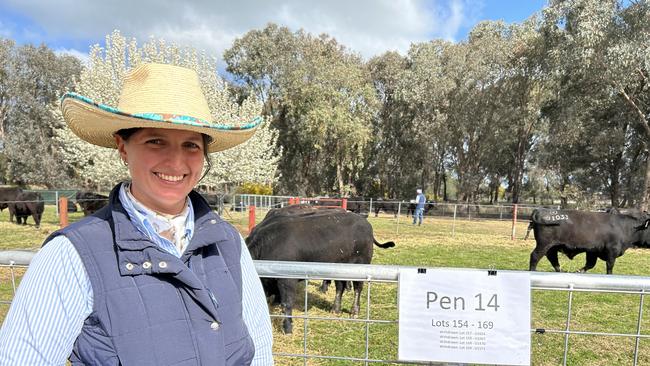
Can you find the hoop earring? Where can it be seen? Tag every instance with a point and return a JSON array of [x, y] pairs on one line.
[[125, 163]]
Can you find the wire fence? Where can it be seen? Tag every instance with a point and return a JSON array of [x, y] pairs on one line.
[[382, 207], [374, 349], [236, 208]]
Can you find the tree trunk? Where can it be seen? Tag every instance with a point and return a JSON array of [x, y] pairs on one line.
[[646, 186], [564, 199], [645, 125], [445, 198], [339, 180], [615, 191]]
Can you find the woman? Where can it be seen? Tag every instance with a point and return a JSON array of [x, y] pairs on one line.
[[155, 277]]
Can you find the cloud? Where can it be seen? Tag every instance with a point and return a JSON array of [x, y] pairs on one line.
[[369, 27], [82, 56]]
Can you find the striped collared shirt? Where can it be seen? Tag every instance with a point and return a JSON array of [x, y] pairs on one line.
[[55, 297]]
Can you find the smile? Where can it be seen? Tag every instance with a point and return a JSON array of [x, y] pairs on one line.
[[170, 178]]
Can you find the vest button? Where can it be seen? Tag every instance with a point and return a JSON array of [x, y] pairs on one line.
[[162, 264], [146, 265], [129, 266], [213, 221], [214, 325]]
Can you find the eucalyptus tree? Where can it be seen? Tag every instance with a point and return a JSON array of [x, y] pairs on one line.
[[392, 147], [424, 89], [6, 49], [33, 78], [319, 98], [518, 94], [6, 57], [260, 60], [254, 161], [475, 69], [600, 52]]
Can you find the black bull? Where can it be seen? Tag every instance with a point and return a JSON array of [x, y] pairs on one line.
[[307, 234], [28, 204], [8, 198], [598, 234], [90, 202]]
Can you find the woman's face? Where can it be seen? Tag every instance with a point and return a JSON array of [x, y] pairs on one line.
[[164, 165]]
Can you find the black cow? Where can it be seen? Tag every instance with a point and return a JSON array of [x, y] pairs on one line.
[[357, 205], [28, 203], [213, 199], [611, 210], [9, 195], [428, 206], [598, 234], [386, 206], [72, 207], [305, 233], [90, 201]]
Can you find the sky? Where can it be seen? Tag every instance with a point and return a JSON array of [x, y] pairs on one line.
[[368, 27]]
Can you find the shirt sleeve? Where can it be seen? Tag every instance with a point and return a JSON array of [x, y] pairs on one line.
[[255, 310], [49, 308]]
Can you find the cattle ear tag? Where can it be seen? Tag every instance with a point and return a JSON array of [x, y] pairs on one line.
[[492, 271]]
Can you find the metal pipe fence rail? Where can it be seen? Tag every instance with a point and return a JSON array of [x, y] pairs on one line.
[[16, 261], [242, 201]]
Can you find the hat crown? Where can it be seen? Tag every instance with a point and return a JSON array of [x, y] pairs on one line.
[[164, 89]]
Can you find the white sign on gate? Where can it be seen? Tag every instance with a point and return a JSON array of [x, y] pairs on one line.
[[464, 316]]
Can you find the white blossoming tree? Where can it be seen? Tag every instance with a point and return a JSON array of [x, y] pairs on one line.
[[254, 161]]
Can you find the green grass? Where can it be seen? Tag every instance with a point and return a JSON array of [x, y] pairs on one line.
[[474, 244]]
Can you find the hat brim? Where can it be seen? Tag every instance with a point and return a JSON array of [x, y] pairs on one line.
[[97, 123]]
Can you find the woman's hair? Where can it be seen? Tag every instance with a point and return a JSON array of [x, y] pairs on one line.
[[126, 133]]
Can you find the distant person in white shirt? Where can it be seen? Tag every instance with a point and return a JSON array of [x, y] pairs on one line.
[[419, 201], [155, 277]]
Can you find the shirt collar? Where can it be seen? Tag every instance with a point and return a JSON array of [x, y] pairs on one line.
[[147, 220]]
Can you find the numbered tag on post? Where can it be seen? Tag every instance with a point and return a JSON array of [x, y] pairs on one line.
[[464, 316]]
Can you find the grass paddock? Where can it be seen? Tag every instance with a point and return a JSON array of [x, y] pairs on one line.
[[439, 242]]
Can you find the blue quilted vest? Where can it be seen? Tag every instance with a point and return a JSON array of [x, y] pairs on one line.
[[152, 308]]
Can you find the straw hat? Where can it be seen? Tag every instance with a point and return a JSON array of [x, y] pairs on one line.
[[153, 96]]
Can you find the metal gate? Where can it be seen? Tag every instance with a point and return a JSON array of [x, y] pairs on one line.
[[13, 262]]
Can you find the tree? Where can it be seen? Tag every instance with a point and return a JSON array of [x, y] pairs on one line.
[[253, 161], [6, 87], [600, 52], [389, 150], [421, 133], [319, 98], [33, 79]]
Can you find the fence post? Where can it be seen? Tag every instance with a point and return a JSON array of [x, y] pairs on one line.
[[453, 223], [514, 221], [344, 203], [370, 209], [399, 209], [63, 211], [251, 218]]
